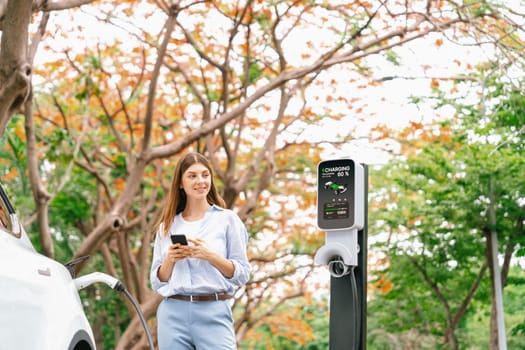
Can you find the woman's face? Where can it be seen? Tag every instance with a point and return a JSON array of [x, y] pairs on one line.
[[196, 181]]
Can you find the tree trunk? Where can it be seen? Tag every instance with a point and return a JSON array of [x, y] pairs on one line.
[[135, 331], [15, 70], [493, 340], [451, 338]]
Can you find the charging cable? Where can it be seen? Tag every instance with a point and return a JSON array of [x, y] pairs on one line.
[[338, 269], [357, 309], [86, 280]]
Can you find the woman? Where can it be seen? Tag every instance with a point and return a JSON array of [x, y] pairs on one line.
[[197, 279]]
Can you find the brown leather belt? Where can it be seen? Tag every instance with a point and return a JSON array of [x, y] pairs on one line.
[[201, 297]]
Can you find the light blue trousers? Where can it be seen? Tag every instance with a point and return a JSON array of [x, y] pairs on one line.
[[202, 325]]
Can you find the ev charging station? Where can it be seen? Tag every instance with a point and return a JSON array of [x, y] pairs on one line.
[[342, 191]]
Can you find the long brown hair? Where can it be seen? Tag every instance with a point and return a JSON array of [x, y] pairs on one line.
[[176, 201]]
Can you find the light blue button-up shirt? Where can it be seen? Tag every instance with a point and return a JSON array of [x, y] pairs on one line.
[[223, 232]]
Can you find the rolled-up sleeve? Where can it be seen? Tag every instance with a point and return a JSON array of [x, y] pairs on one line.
[[158, 258], [237, 242]]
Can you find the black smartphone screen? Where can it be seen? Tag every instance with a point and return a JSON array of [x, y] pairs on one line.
[[179, 239]]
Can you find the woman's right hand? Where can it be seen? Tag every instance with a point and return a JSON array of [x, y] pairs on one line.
[[177, 252]]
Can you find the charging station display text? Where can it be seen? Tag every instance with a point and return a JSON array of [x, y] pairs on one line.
[[335, 194]]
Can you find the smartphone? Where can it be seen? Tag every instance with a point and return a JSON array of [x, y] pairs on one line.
[[179, 239]]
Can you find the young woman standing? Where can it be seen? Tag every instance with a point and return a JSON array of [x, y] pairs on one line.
[[197, 279]]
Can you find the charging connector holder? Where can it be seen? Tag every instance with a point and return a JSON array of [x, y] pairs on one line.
[[339, 252], [338, 268]]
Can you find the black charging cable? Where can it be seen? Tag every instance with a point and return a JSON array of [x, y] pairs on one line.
[[86, 280], [357, 309], [120, 288], [339, 269]]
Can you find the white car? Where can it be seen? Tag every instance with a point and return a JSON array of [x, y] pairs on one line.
[[39, 303]]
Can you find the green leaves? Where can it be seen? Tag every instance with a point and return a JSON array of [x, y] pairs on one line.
[[511, 112], [434, 206], [71, 207]]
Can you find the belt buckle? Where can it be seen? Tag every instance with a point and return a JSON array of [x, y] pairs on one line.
[[216, 297], [191, 298]]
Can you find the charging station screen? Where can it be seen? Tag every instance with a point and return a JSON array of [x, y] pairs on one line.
[[335, 211], [335, 193]]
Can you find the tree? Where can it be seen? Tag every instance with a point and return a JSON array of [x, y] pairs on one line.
[[438, 209], [238, 81], [435, 249]]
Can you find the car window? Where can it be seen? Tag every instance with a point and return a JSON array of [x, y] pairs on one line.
[[8, 219], [5, 219]]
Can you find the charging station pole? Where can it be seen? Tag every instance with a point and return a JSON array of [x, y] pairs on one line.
[[344, 308], [342, 211]]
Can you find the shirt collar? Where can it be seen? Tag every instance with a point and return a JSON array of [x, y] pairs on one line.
[[215, 207]]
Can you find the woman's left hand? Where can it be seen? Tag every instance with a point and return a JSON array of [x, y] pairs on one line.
[[199, 249]]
